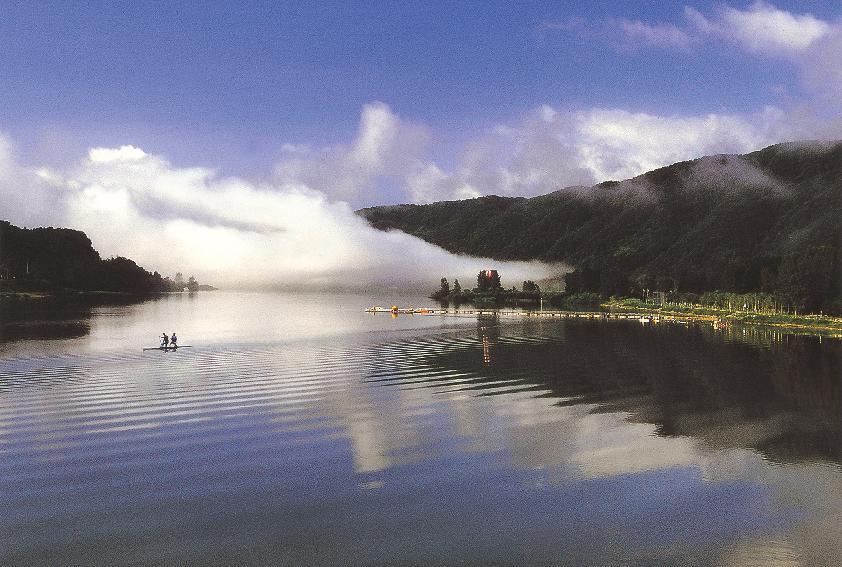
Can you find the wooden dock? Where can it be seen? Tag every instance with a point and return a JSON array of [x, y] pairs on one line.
[[543, 314]]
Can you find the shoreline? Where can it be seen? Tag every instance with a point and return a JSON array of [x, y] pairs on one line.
[[42, 295], [818, 324], [809, 323]]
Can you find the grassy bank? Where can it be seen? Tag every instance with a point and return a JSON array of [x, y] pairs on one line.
[[24, 294], [818, 323]]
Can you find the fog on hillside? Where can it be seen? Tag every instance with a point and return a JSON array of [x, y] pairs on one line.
[[232, 233]]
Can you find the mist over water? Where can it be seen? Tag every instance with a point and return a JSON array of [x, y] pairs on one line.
[[299, 429], [230, 232]]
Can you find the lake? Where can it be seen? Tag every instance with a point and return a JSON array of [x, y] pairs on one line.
[[300, 430]]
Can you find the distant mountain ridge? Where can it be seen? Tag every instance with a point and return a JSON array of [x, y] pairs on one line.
[[765, 221]]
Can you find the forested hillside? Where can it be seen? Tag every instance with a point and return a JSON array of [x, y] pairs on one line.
[[765, 221], [56, 259]]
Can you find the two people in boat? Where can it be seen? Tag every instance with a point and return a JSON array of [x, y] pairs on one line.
[[169, 342]]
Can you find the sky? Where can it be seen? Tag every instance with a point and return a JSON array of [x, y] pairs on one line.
[[356, 104]]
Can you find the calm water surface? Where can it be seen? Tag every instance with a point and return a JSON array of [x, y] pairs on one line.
[[300, 430]]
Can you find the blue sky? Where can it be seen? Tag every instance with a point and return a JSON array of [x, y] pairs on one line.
[[241, 133], [225, 85]]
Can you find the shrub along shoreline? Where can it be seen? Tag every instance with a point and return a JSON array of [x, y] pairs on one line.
[[813, 322], [747, 309]]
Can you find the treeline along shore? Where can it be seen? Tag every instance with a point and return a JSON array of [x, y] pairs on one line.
[[720, 308], [43, 261], [765, 224], [738, 311]]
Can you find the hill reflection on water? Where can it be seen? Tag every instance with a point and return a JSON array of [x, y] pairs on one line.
[[420, 440], [57, 317], [739, 387]]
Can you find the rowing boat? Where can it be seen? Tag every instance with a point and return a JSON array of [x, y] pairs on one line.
[[167, 348]]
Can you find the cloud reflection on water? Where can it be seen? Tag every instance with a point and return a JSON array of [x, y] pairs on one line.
[[587, 440], [544, 430]]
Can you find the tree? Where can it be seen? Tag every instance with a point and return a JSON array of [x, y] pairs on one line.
[[192, 284], [482, 283], [179, 281], [530, 286], [488, 280], [495, 280], [445, 287], [582, 280], [457, 287]]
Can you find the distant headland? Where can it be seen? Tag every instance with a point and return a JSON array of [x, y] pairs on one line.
[[47, 261]]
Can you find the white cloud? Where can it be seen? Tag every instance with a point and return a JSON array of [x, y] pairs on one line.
[[547, 112], [385, 147], [623, 33], [616, 144], [298, 231], [810, 46], [822, 69], [422, 185], [666, 35], [228, 231], [698, 22], [26, 199], [766, 29], [762, 29], [813, 45], [377, 132], [123, 153], [295, 231], [549, 150]]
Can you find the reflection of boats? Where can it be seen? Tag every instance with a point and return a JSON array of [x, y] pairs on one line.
[[168, 348]]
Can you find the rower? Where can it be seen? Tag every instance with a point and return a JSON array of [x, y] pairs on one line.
[[165, 340], [174, 340]]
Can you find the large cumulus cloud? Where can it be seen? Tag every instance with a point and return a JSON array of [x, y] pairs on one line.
[[543, 150], [228, 231]]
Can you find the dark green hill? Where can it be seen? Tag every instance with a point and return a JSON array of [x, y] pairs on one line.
[[765, 221], [58, 259]]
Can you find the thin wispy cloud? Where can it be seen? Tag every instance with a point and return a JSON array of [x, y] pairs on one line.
[[761, 28], [812, 45], [624, 34], [805, 46], [667, 35]]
